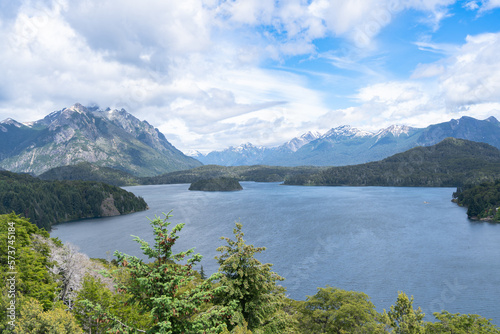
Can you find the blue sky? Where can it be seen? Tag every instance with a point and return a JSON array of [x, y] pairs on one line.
[[215, 73]]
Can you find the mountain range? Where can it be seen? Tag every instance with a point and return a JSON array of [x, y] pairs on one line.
[[345, 145], [450, 163], [108, 138]]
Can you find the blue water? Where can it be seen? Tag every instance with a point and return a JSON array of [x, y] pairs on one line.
[[377, 240]]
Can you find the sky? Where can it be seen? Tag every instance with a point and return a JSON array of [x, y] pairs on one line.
[[216, 73]]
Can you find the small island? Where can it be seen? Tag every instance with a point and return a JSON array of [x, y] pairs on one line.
[[217, 184]]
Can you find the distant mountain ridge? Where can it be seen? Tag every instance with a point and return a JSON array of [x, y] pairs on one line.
[[345, 145], [108, 138], [450, 163]]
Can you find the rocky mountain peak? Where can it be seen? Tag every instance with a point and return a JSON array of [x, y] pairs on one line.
[[493, 120], [296, 143], [77, 107], [345, 131], [112, 138], [245, 147], [10, 121], [395, 130]]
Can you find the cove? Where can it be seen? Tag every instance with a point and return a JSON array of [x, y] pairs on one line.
[[378, 240]]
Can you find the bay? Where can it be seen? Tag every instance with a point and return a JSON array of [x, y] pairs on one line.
[[378, 240]]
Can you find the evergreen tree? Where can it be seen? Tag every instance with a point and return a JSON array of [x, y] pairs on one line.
[[202, 273], [168, 290], [252, 285]]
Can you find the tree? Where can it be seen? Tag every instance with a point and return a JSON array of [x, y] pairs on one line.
[[33, 279], [333, 310], [94, 291], [202, 273], [70, 266], [251, 284], [460, 324], [168, 290], [33, 319], [403, 318]]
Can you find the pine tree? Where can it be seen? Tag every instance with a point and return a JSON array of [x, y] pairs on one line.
[[252, 285], [202, 273], [168, 290]]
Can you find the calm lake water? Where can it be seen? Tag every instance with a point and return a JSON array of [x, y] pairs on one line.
[[377, 240]]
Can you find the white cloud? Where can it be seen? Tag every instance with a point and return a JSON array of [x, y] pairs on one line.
[[427, 71], [473, 74], [193, 68], [489, 5], [467, 83]]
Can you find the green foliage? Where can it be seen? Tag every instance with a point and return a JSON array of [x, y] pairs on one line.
[[217, 184], [460, 324], [168, 291], [30, 258], [333, 310], [85, 171], [251, 284], [95, 292], [49, 202], [241, 173], [403, 318], [482, 200], [168, 295], [451, 163], [98, 310], [33, 319]]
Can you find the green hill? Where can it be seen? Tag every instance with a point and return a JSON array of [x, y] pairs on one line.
[[86, 171], [217, 184], [450, 163], [482, 201], [49, 202], [256, 173]]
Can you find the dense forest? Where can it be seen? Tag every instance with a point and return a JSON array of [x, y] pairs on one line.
[[217, 184], [241, 173], [91, 172], [48, 202], [482, 201], [58, 290], [85, 171], [451, 163]]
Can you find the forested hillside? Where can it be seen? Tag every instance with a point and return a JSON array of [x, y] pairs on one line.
[[48, 202], [217, 184], [482, 201], [85, 171], [241, 173], [59, 290], [451, 163]]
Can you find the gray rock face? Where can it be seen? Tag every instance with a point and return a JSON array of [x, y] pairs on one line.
[[110, 138]]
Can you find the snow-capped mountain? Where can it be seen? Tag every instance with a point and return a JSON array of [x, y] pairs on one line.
[[395, 130], [296, 143], [345, 131], [345, 145]]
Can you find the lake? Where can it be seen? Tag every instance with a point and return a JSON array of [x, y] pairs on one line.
[[378, 240]]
